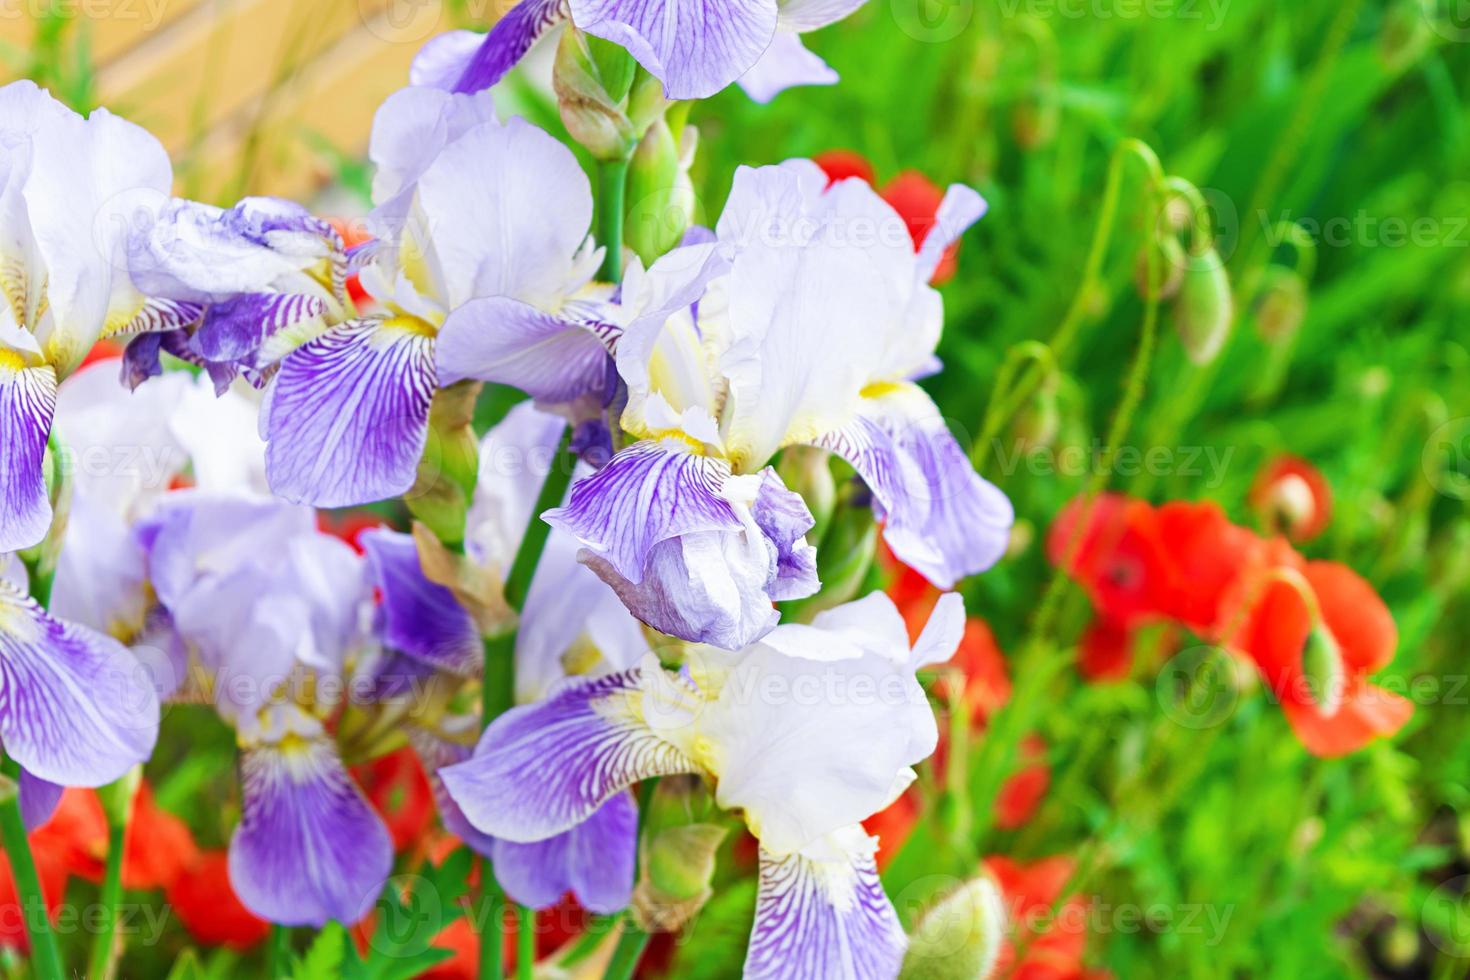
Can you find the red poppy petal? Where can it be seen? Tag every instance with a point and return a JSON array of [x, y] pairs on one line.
[[842, 164], [1357, 617], [1367, 712]]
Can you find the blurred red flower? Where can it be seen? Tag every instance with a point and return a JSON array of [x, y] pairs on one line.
[[72, 842], [158, 848], [1051, 945], [1023, 792], [399, 790], [353, 233], [1118, 556], [1291, 497], [208, 907]]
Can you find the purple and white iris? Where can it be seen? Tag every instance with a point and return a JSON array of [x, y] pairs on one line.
[[572, 624], [813, 336], [695, 47], [72, 190], [805, 733]]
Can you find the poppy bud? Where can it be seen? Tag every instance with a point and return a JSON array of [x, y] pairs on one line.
[[1169, 267], [1039, 420], [807, 471], [1281, 304], [960, 937], [1203, 310], [660, 193], [1034, 122], [592, 79], [677, 856], [1322, 668], [449, 469]]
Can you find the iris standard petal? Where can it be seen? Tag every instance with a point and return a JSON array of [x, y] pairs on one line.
[[786, 64], [508, 342]]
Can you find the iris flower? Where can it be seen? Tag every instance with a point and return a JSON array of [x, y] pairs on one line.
[[72, 190], [694, 47], [813, 336], [806, 733]]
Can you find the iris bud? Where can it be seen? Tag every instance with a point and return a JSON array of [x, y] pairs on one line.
[[660, 192], [592, 79], [450, 466], [677, 855], [960, 937], [1203, 310]]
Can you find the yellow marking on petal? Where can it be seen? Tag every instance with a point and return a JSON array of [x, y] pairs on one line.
[[408, 323], [11, 361], [118, 321], [882, 389], [414, 265]]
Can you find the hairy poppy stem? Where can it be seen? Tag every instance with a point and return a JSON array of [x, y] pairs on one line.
[[45, 956]]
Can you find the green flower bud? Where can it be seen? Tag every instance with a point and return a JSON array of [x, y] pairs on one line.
[[845, 555], [660, 193], [1281, 304], [960, 937], [677, 855], [1039, 420], [807, 471], [1322, 669], [592, 79], [450, 466], [1170, 262], [1203, 310]]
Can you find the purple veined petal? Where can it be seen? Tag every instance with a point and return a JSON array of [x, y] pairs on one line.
[[506, 44], [75, 707], [695, 47], [239, 327], [941, 518], [309, 847], [420, 618], [38, 799], [823, 913], [443, 58], [142, 359], [786, 64], [435, 753], [508, 342], [348, 415], [648, 493], [594, 861], [158, 315], [962, 207], [27, 404], [784, 519], [541, 769]]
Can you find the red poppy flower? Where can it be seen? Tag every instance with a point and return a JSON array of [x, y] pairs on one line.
[[209, 908], [1054, 943], [914, 196], [1291, 497], [892, 826], [842, 164], [1209, 555], [1119, 558], [159, 847], [72, 842], [1105, 652], [103, 350], [1022, 793], [348, 525], [399, 790], [982, 665], [1316, 636]]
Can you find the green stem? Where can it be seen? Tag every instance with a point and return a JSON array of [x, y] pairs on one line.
[[630, 949], [492, 945], [553, 491], [45, 956], [525, 943], [612, 183], [104, 943], [278, 956]]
